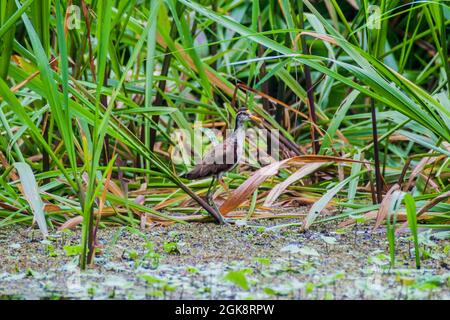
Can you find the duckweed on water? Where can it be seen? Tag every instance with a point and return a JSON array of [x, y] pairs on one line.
[[213, 262]]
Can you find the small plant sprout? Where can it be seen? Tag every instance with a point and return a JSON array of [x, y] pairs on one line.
[[412, 223], [171, 248], [239, 278]]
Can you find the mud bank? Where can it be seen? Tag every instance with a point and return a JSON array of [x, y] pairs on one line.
[[207, 261]]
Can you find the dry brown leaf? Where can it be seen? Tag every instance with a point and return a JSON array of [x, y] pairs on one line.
[[299, 174], [385, 204], [102, 197], [50, 207], [252, 183], [71, 223], [321, 36], [168, 202], [417, 170], [115, 189]]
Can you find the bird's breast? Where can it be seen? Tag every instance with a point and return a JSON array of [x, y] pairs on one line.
[[240, 138]]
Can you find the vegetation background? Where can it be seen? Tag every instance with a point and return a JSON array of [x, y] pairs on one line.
[[91, 92]]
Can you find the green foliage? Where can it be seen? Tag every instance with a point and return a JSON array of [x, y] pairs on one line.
[[412, 222], [239, 278], [151, 279], [73, 250], [171, 247], [78, 106], [263, 261]]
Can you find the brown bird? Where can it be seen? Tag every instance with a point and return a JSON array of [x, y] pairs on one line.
[[224, 156]]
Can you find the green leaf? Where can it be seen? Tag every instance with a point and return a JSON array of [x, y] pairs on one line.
[[319, 205], [238, 278], [32, 194], [73, 250], [412, 223], [171, 247], [151, 279]]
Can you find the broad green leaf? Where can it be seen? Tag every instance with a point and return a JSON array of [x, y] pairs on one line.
[[32, 194]]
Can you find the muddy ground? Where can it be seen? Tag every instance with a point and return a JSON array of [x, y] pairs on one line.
[[207, 261]]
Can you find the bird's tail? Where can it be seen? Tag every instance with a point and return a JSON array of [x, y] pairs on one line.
[[191, 175], [186, 175]]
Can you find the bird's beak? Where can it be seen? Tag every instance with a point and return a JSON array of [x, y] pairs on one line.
[[254, 118]]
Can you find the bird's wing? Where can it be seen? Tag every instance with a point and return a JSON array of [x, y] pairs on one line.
[[222, 153], [219, 158]]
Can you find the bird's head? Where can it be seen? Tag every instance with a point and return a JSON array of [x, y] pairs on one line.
[[244, 115]]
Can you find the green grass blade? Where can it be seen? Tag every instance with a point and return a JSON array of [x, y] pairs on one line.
[[412, 223]]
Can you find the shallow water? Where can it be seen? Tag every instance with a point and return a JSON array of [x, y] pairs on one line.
[[207, 261]]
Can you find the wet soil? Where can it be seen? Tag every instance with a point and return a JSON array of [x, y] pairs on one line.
[[207, 261]]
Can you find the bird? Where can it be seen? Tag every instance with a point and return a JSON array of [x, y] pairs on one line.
[[224, 156]]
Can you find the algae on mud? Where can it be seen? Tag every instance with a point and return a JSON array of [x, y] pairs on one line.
[[207, 261]]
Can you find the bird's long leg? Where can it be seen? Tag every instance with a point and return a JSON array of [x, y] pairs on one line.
[[210, 199], [214, 188], [222, 220], [208, 194]]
